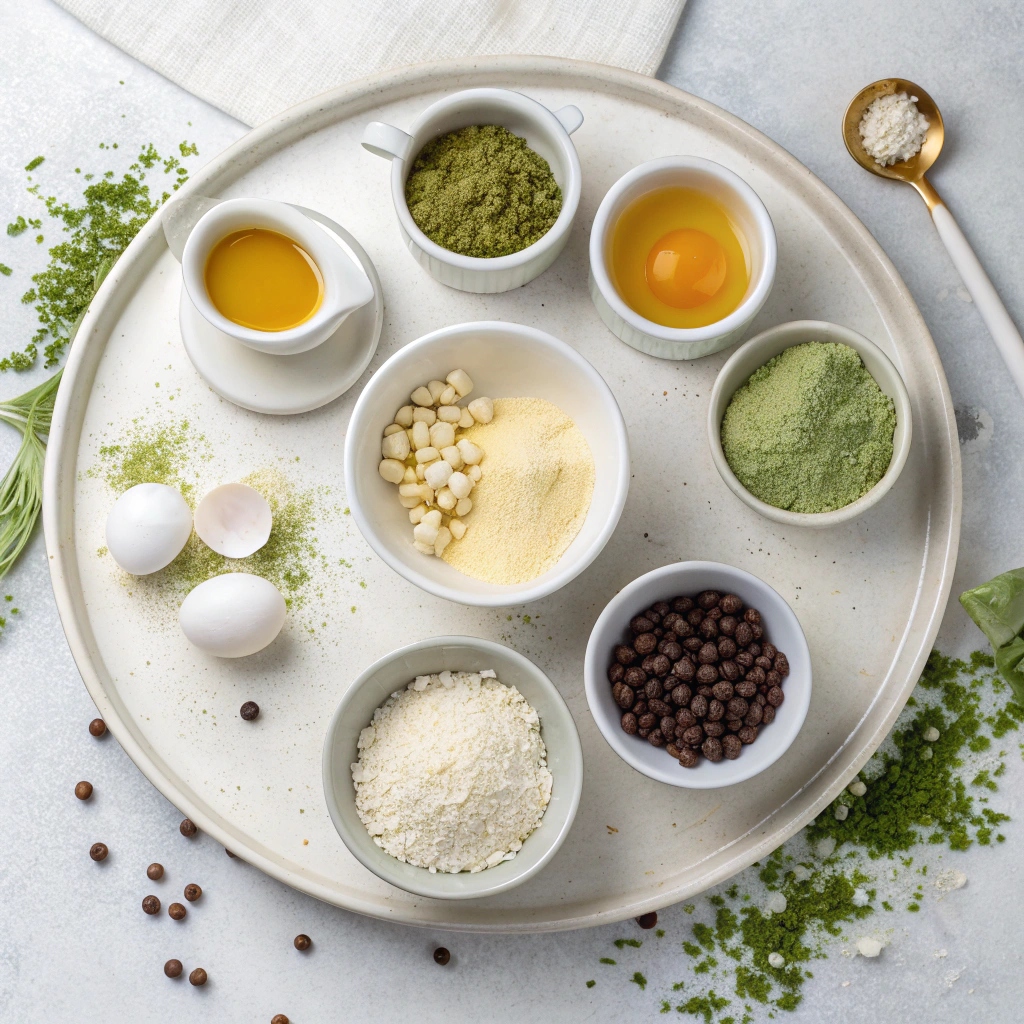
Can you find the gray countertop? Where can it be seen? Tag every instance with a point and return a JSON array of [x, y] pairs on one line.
[[73, 944]]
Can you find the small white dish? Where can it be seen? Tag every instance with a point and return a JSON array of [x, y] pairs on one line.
[[546, 132], [754, 229], [688, 579], [393, 672], [752, 355], [283, 385], [503, 360], [346, 287]]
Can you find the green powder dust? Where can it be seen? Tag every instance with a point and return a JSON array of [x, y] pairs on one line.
[[810, 431], [481, 191]]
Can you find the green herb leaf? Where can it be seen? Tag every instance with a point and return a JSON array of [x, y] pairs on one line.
[[34, 163], [997, 608]]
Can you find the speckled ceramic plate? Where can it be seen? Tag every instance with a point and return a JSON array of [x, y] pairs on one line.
[[869, 594]]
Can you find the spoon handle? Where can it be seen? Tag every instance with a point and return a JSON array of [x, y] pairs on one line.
[[990, 306]]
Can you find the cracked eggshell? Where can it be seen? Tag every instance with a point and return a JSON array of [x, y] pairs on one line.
[[147, 528], [234, 520], [233, 615]]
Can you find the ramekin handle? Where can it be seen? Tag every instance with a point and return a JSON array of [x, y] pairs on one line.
[[569, 117], [387, 141]]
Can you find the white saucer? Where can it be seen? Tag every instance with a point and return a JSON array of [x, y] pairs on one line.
[[285, 385]]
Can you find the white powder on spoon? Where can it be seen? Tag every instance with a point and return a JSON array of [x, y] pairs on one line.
[[893, 129]]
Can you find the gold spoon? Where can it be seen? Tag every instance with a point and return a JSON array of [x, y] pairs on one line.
[[912, 171]]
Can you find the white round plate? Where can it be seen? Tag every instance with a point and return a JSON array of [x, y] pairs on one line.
[[869, 593], [285, 385]]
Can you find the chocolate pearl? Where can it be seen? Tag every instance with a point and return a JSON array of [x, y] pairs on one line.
[[98, 851], [681, 695], [173, 968], [755, 650], [302, 942], [188, 828], [775, 696], [639, 708], [708, 654], [685, 718], [731, 746], [693, 644], [192, 892], [672, 750], [635, 676], [653, 616], [250, 710], [643, 733], [151, 905], [155, 872], [781, 664], [661, 665], [97, 727], [699, 706], [683, 629], [767, 714], [734, 724], [715, 613], [769, 651], [708, 629], [625, 655], [772, 678], [688, 757], [745, 688], [197, 977], [714, 729], [727, 625], [695, 617], [660, 708], [662, 608], [730, 604], [758, 632], [229, 853], [641, 624], [744, 659], [744, 634], [647, 721], [754, 715], [279, 1018], [647, 921], [672, 649], [658, 632], [711, 748], [667, 726], [177, 911], [644, 644], [656, 738], [737, 707], [441, 956], [684, 669], [623, 696], [693, 736], [753, 616], [722, 691], [726, 647], [761, 699], [682, 605], [83, 790], [706, 692], [756, 675], [672, 620], [716, 710], [629, 725], [708, 599], [729, 670], [707, 675], [616, 673], [747, 734]]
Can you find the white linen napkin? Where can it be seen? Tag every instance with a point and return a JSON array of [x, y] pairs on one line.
[[254, 58]]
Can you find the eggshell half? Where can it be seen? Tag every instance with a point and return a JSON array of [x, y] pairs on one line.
[[147, 528], [234, 520], [233, 615]]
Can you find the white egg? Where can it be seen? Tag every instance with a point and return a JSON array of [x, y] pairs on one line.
[[233, 615], [147, 528], [234, 520]]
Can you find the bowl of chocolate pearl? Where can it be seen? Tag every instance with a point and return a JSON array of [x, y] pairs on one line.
[[698, 675]]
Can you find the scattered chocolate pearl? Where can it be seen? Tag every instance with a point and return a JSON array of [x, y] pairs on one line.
[[250, 710], [192, 892], [98, 851], [647, 920], [177, 911], [97, 727], [188, 828], [151, 905], [197, 977], [279, 1018], [155, 872], [303, 942], [173, 968], [83, 790], [441, 956], [229, 853]]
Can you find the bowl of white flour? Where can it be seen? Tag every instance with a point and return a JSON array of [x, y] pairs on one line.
[[452, 768]]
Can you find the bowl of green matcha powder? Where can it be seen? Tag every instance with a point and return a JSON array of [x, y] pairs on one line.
[[809, 423]]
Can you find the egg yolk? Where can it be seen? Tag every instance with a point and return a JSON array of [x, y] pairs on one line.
[[685, 268]]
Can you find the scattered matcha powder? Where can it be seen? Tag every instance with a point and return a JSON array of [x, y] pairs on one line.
[[810, 431]]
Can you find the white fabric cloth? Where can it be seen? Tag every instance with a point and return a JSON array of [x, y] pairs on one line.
[[254, 58]]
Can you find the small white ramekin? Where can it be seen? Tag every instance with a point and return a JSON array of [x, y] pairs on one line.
[[752, 355], [504, 360], [546, 132], [346, 287], [688, 579], [754, 230], [457, 654]]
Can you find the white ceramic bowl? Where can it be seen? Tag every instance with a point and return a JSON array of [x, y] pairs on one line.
[[547, 134], [346, 287], [755, 231], [393, 672], [504, 360], [781, 628], [752, 355]]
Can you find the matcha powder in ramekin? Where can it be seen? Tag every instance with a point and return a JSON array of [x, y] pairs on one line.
[[810, 431]]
